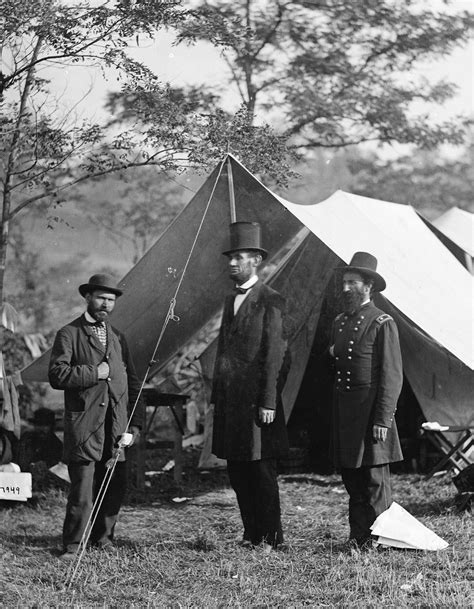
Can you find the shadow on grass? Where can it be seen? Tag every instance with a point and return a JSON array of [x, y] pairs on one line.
[[312, 479], [50, 543], [431, 507]]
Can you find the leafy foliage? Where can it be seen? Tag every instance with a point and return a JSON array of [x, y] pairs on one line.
[[338, 73], [45, 150], [430, 183]]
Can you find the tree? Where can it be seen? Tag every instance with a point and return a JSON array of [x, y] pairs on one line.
[[336, 73], [45, 151], [148, 202], [423, 179]]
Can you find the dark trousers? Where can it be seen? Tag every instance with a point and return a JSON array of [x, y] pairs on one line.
[[86, 479], [369, 495], [256, 486]]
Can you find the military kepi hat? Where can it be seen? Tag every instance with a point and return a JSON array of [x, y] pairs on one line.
[[246, 236], [102, 282], [366, 265]]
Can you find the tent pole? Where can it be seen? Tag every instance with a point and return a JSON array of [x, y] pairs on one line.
[[230, 180]]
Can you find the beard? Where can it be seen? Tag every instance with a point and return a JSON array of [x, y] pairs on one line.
[[97, 314], [351, 301]]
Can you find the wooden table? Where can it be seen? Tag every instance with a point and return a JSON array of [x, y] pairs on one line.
[[175, 402]]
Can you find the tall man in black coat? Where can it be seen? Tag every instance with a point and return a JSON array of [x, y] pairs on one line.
[[249, 425], [91, 362], [368, 365]]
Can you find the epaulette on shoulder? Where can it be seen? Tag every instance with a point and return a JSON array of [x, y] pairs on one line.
[[383, 318]]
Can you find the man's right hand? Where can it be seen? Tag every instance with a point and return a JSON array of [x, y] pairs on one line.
[[103, 371]]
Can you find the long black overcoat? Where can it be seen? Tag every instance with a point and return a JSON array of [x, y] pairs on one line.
[[369, 378], [250, 372], [76, 354]]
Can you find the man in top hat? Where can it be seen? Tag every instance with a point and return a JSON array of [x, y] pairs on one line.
[[90, 361], [249, 425], [368, 365]]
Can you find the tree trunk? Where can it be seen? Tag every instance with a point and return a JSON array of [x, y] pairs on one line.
[[248, 64], [10, 167]]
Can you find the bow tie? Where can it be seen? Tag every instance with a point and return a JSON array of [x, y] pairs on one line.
[[239, 290]]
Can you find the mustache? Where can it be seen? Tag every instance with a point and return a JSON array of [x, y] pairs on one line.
[[351, 300]]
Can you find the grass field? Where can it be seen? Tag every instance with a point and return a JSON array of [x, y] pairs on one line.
[[185, 555]]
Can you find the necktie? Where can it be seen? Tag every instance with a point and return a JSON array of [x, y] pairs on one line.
[[239, 290], [100, 331]]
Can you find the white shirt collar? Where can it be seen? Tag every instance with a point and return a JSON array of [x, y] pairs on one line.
[[89, 318], [249, 283]]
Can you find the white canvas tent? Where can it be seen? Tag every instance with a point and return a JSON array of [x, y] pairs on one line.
[[429, 292], [423, 280], [458, 225]]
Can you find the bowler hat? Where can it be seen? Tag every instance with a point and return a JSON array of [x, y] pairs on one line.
[[101, 282], [366, 265], [43, 416], [246, 236]]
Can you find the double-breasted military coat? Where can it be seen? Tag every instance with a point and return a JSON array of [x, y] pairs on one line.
[[369, 377], [250, 372]]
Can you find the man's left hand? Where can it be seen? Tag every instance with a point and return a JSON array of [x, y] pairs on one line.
[[379, 433], [266, 415]]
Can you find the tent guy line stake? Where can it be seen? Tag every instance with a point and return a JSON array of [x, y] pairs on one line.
[[170, 316]]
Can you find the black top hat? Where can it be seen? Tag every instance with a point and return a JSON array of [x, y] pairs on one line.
[[246, 236], [365, 264], [102, 282], [43, 416]]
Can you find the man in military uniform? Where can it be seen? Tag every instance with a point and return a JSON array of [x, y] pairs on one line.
[[249, 425], [368, 365]]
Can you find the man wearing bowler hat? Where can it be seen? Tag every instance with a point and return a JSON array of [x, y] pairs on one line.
[[91, 362], [368, 365], [249, 425]]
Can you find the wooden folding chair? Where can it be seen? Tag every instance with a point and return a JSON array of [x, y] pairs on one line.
[[456, 452]]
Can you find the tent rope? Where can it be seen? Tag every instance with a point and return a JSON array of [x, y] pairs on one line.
[[111, 463]]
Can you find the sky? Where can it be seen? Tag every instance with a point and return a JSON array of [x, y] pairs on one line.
[[201, 62], [182, 65]]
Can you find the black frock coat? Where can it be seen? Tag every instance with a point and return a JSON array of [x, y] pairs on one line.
[[250, 372], [369, 377], [73, 367]]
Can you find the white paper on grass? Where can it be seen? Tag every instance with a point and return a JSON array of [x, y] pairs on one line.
[[396, 526], [61, 471]]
